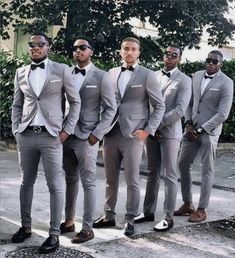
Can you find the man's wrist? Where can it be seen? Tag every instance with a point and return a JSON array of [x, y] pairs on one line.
[[187, 123]]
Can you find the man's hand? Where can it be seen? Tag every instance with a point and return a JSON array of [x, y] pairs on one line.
[[141, 134], [191, 133], [63, 136], [92, 139], [158, 135]]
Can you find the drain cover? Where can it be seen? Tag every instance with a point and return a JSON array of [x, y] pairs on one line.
[[32, 252]]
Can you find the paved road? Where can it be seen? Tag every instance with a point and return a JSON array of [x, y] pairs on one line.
[[184, 240]]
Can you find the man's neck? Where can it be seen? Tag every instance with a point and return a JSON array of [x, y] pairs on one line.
[[83, 64], [37, 61]]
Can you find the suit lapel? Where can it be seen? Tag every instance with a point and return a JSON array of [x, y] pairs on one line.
[[89, 75], [212, 82], [49, 70], [171, 79], [133, 76], [27, 71]]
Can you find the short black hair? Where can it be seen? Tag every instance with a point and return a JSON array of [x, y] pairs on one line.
[[217, 52], [89, 40], [36, 33], [178, 47]]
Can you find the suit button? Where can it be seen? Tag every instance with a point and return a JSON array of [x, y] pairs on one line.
[[200, 101], [198, 112], [38, 98]]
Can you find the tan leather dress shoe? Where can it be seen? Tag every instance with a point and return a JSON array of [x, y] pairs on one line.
[[198, 216]]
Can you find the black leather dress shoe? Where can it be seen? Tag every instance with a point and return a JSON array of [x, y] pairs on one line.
[[144, 217], [164, 225], [103, 223], [129, 229], [64, 229], [49, 245], [21, 235]]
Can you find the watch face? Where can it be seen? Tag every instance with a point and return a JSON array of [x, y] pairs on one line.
[[200, 130]]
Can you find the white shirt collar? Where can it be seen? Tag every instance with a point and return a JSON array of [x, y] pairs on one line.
[[87, 67]]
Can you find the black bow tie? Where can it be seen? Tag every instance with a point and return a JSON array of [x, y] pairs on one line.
[[34, 66], [130, 68], [82, 71], [208, 77], [168, 74]]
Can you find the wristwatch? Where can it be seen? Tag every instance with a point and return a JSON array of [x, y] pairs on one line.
[[200, 130]]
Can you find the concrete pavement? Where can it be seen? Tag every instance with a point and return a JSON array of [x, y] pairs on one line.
[[209, 239]]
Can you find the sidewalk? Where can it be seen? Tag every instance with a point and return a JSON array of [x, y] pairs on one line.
[[209, 239]]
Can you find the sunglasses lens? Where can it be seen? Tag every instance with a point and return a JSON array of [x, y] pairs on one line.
[[31, 44], [75, 48], [39, 44], [172, 55], [83, 47], [213, 61]]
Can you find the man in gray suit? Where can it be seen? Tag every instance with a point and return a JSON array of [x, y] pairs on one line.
[[37, 123], [209, 108], [163, 148], [136, 87], [80, 150]]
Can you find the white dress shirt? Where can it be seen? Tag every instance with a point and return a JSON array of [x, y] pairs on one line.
[[205, 82], [124, 79], [164, 78], [37, 79]]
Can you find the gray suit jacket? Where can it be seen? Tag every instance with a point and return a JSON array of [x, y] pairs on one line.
[[133, 107], [50, 101], [177, 93], [98, 104], [212, 108]]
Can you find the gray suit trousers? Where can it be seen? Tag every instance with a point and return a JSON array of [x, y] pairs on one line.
[[117, 149], [162, 162], [79, 160], [207, 145], [31, 147]]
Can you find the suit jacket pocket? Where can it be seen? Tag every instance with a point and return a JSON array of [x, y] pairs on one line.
[[91, 86], [136, 86]]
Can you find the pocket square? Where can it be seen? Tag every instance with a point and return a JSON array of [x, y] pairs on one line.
[[136, 86], [214, 89], [91, 86], [55, 81]]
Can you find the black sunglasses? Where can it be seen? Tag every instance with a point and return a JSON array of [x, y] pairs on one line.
[[37, 44], [171, 54], [213, 61], [81, 47]]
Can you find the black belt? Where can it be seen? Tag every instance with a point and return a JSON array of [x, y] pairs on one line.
[[36, 128]]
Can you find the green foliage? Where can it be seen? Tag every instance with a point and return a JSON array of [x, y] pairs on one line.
[[9, 64], [108, 22]]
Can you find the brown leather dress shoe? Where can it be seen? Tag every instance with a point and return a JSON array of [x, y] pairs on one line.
[[83, 236], [64, 229], [198, 216], [185, 210]]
